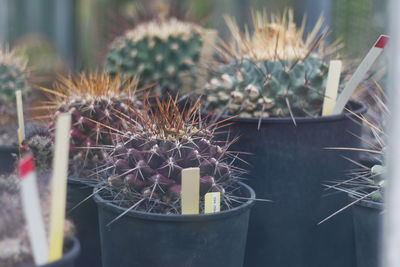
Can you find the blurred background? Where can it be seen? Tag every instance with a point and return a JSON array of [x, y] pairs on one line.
[[71, 35]]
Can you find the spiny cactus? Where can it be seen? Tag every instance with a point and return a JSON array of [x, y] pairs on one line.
[[39, 143], [368, 179], [13, 75], [91, 98], [162, 51], [271, 72], [146, 163]]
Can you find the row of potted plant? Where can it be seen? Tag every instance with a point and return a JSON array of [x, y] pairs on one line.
[[258, 124]]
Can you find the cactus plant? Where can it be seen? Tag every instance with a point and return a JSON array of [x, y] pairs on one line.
[[163, 51], [91, 98], [271, 72], [368, 179], [39, 142], [13, 75], [147, 159]]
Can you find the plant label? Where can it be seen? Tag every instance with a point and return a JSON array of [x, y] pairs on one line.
[[359, 74], [59, 187], [20, 113], [190, 191], [332, 85], [32, 211], [212, 202]]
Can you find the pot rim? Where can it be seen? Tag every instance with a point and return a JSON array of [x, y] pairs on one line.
[[368, 203], [8, 148], [356, 107], [178, 217], [70, 256], [81, 181]]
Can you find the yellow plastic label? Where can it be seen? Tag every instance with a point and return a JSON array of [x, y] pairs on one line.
[[20, 113], [59, 187], [190, 191], [212, 202], [332, 86]]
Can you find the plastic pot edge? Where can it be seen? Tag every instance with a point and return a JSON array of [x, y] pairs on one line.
[[9, 148], [358, 109], [176, 217], [70, 256], [368, 203]]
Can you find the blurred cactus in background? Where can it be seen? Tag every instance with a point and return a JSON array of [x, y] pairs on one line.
[[165, 52], [13, 75]]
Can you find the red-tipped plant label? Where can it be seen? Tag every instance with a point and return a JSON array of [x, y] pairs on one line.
[[32, 212], [25, 166], [382, 41], [359, 74]]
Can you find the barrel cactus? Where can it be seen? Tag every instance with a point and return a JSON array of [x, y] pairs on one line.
[[147, 159], [95, 102], [271, 72], [13, 75], [165, 52]]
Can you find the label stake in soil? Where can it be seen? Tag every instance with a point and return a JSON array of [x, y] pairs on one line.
[[332, 85], [190, 190], [32, 211], [20, 113], [58, 187], [357, 77], [212, 202]]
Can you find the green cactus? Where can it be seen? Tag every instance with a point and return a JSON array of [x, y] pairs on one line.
[[271, 72], [94, 100], [162, 51], [13, 75], [146, 163], [264, 88]]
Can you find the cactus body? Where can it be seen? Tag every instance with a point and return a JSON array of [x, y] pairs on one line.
[[271, 72], [147, 160], [95, 102], [13, 75], [264, 88], [161, 51]]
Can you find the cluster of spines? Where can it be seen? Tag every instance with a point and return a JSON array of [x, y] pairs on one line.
[[93, 101]]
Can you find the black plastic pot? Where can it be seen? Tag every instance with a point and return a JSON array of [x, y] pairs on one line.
[[289, 166], [85, 219], [69, 258], [144, 239], [367, 218], [7, 160]]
